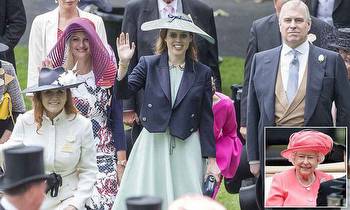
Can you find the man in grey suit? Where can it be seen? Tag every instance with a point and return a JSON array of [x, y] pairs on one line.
[[12, 26], [335, 12], [265, 35], [140, 11], [294, 84]]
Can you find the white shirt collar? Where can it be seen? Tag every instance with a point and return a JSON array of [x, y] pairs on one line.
[[302, 49], [162, 5], [7, 205]]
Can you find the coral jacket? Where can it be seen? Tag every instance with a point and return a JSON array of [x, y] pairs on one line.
[[286, 191]]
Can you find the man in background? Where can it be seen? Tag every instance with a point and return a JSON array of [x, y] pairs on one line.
[[294, 84], [265, 35], [23, 182], [12, 26], [334, 12]]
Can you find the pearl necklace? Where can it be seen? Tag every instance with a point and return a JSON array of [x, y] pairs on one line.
[[307, 187]]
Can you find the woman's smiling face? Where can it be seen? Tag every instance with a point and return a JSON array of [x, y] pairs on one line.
[[80, 45], [177, 42]]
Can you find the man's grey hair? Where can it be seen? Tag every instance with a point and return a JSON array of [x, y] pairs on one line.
[[295, 4]]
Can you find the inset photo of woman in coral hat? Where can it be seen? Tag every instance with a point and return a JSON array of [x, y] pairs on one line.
[[305, 167]]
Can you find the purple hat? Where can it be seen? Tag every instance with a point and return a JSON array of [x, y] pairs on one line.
[[103, 66]]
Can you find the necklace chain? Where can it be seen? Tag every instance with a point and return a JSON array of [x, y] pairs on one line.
[[179, 66], [306, 186]]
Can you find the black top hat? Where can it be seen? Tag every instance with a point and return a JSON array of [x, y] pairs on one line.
[[22, 165], [54, 79], [144, 203], [3, 47], [342, 40]]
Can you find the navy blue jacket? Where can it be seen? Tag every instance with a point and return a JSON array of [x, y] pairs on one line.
[[192, 107]]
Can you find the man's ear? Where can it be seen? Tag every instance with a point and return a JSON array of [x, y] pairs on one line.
[[309, 26]]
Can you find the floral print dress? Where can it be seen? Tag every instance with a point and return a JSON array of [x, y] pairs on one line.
[[94, 102]]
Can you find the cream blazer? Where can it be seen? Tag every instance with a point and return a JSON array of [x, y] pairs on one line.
[[43, 37], [69, 150]]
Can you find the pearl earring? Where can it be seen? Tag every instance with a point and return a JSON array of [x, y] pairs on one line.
[[56, 1]]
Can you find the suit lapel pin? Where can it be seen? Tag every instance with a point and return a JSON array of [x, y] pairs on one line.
[[311, 37], [321, 58]]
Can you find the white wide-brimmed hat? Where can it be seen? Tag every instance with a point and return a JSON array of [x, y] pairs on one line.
[[179, 22], [3, 47]]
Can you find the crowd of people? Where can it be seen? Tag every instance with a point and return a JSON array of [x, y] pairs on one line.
[[164, 82]]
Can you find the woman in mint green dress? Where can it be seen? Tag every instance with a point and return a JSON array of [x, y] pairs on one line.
[[167, 160]]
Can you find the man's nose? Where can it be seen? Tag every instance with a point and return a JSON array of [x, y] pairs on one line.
[[292, 24]]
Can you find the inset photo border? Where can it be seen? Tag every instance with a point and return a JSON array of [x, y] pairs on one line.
[[305, 167]]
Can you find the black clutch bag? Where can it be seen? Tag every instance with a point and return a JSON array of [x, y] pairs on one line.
[[209, 186]]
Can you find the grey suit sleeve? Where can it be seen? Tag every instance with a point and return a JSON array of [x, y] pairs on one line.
[[15, 23], [251, 50], [213, 55], [206, 122], [253, 116], [342, 96], [129, 25]]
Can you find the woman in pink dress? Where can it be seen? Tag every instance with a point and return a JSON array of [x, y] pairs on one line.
[[298, 186], [228, 144]]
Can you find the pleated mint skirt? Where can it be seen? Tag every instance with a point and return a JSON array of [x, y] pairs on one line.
[[164, 166]]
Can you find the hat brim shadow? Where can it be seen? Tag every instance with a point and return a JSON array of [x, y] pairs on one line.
[[164, 23], [3, 47], [6, 183], [339, 47], [286, 153], [37, 88]]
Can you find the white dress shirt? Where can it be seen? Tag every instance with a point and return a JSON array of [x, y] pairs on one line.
[[7, 205], [325, 10], [287, 57]]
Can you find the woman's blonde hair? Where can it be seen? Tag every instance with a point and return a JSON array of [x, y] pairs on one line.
[[161, 46], [39, 107], [68, 61]]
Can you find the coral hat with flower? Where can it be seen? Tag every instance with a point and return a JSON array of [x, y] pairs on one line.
[[54, 79], [308, 140]]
